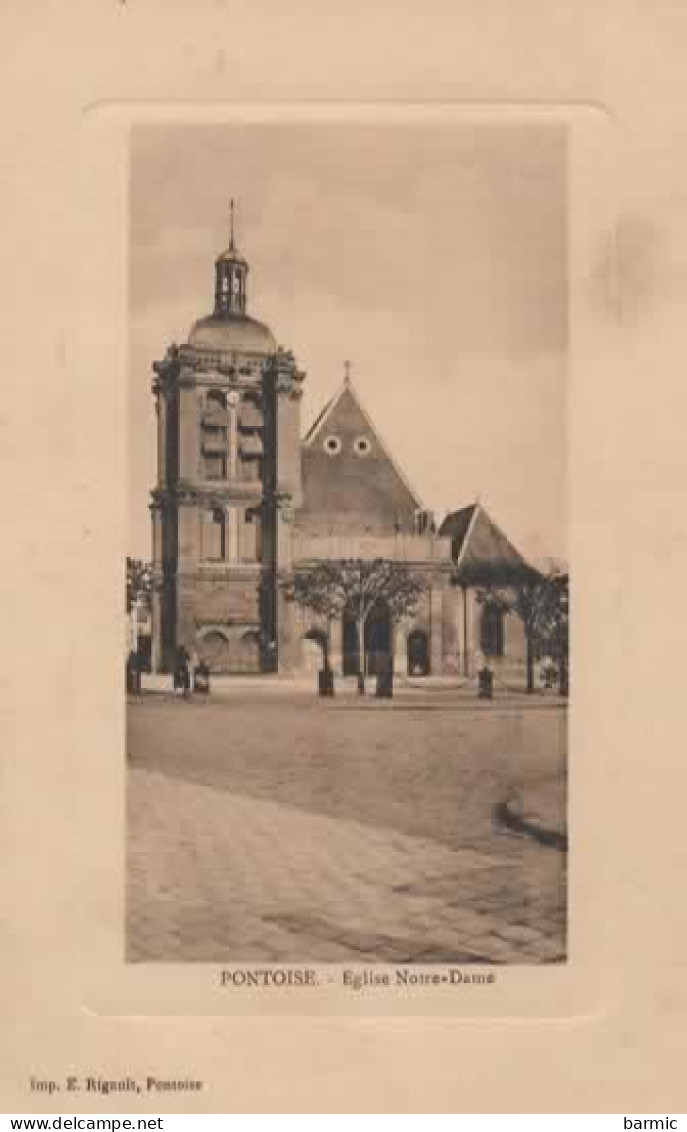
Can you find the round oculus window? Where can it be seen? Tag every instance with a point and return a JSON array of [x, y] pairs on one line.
[[362, 446], [332, 445]]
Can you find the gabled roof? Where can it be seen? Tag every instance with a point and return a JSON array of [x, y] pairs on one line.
[[346, 403], [480, 550], [321, 416], [456, 524]]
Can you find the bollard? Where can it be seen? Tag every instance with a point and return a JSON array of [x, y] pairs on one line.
[[385, 678], [485, 685], [325, 682], [385, 686]]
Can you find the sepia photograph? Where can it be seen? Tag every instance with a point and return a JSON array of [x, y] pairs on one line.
[[347, 577], [344, 433]]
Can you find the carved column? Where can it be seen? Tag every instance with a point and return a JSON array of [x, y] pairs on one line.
[[233, 436], [232, 534]]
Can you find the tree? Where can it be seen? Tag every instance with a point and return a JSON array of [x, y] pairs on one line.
[[557, 629], [138, 581], [541, 602], [530, 599], [355, 585]]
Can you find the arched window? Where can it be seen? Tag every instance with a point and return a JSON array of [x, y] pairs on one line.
[[491, 631], [217, 535], [250, 538], [216, 397], [214, 438]]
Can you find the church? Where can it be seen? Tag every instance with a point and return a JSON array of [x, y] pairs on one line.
[[244, 500]]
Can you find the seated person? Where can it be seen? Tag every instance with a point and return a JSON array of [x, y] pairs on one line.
[[201, 677]]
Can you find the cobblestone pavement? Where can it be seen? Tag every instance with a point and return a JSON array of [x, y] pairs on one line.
[[288, 829]]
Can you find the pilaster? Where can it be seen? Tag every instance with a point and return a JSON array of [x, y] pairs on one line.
[[161, 413], [336, 644], [400, 649], [156, 535], [189, 536], [188, 433], [156, 629], [436, 630]]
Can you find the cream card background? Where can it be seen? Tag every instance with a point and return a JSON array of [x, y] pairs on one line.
[[72, 76]]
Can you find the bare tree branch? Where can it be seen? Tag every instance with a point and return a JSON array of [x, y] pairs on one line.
[[331, 588]]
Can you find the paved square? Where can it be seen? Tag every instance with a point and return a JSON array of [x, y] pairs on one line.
[[267, 825]]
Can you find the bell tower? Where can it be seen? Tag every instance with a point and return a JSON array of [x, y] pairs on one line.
[[228, 417], [231, 276]]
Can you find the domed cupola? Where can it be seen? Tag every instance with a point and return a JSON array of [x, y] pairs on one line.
[[229, 329]]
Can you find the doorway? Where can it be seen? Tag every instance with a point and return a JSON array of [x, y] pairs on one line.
[[418, 653], [378, 641], [378, 638]]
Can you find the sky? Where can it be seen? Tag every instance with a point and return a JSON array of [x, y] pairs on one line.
[[432, 255]]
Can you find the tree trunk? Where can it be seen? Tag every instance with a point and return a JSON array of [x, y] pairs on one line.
[[327, 646], [530, 664], [563, 684], [361, 654]]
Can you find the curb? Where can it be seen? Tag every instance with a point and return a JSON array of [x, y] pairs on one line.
[[507, 814]]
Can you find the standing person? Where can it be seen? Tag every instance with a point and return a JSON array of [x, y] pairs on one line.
[[182, 677], [135, 670], [186, 672], [548, 672], [133, 673]]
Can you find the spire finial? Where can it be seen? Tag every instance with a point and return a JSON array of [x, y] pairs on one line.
[[347, 372], [231, 241]]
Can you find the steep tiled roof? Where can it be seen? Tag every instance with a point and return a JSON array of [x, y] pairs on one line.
[[455, 526], [350, 479], [480, 550]]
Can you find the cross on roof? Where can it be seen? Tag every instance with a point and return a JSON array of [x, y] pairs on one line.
[[231, 242], [347, 372]]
